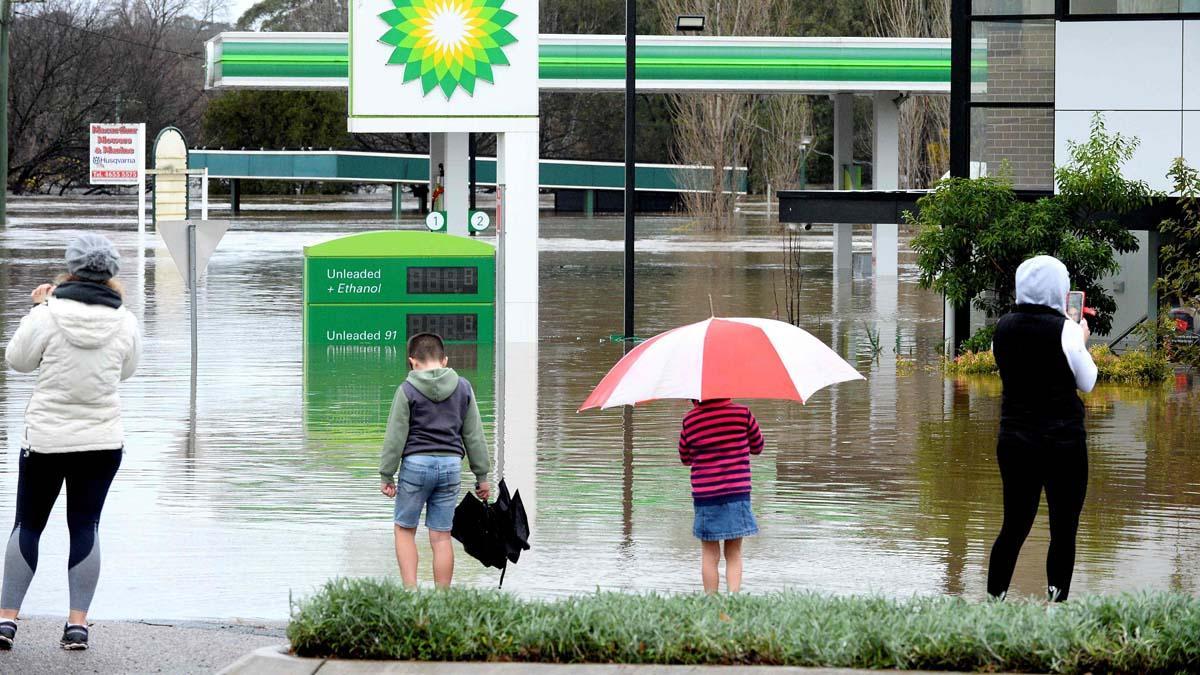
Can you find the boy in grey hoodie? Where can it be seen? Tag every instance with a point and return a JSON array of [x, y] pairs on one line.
[[433, 425]]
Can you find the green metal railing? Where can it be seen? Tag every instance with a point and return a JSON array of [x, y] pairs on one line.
[[397, 168]]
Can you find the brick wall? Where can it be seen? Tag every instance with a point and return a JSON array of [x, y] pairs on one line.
[[1020, 68]]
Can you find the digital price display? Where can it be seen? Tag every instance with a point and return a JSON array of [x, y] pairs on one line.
[[443, 280], [452, 327]]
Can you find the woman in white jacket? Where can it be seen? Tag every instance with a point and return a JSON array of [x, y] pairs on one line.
[[83, 343]]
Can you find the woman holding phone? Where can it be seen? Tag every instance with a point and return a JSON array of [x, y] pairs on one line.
[[1043, 359]]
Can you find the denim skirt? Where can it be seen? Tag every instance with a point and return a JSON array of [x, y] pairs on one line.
[[728, 520]]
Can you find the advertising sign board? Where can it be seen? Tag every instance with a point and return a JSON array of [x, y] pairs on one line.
[[443, 65], [116, 153]]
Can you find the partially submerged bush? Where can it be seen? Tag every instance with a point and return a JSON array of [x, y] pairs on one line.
[[972, 363], [370, 619], [981, 341], [1138, 367], [1134, 367]]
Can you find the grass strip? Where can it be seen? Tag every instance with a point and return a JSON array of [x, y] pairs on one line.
[[379, 619]]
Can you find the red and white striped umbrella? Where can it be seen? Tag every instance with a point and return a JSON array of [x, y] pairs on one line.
[[723, 358]]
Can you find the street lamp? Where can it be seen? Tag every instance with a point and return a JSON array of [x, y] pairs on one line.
[[689, 23], [805, 144]]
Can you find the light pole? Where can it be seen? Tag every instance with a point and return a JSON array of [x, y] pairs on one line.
[[5, 21], [630, 156], [683, 24], [5, 18]]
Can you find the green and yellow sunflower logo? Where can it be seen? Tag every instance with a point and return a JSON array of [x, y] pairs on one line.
[[448, 44]]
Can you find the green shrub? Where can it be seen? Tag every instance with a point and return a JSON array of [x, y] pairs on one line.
[[372, 619], [981, 341], [972, 363], [1135, 367]]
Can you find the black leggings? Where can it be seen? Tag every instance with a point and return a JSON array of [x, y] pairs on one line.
[[1028, 463], [88, 476]]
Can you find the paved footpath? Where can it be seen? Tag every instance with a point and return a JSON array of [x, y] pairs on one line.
[[120, 647], [273, 661]]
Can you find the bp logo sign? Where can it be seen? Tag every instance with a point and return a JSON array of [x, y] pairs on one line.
[[448, 44]]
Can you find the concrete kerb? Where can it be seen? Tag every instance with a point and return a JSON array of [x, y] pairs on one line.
[[277, 661]]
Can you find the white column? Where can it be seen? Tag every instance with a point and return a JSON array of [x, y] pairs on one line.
[[948, 328], [517, 334], [843, 154], [204, 195], [885, 167], [882, 381], [843, 137], [518, 173], [457, 183]]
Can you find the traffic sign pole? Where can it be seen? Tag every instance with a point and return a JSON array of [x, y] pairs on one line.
[[191, 278]]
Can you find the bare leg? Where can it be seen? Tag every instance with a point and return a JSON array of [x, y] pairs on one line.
[[733, 565], [406, 555], [77, 617], [9, 614], [443, 558], [710, 558]]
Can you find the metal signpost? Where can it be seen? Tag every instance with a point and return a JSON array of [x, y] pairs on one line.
[[191, 243]]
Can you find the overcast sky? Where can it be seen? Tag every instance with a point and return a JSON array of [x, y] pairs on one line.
[[238, 7]]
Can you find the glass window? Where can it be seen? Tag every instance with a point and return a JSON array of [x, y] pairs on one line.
[[1012, 61], [1126, 6], [1017, 142], [1012, 7]]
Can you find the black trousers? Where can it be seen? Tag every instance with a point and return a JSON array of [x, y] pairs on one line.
[[1029, 463], [88, 476]]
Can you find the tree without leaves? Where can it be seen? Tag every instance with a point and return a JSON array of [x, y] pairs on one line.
[[713, 130], [924, 120], [76, 62]]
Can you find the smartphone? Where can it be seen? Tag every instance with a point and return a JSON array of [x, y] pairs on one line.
[[1075, 305]]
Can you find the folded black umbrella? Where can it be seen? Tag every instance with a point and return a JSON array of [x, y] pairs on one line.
[[511, 512], [493, 534]]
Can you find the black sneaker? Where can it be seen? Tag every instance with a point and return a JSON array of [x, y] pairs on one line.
[[8, 633], [74, 637]]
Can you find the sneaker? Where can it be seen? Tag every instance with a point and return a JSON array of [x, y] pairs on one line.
[[75, 637], [8, 633]]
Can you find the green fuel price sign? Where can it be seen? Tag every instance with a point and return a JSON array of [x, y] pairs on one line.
[[377, 288]]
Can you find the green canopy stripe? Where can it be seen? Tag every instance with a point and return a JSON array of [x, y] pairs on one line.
[[831, 63]]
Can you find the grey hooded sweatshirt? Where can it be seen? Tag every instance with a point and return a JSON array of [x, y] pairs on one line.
[[434, 412]]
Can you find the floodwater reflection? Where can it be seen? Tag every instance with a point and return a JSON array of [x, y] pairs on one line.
[[887, 485]]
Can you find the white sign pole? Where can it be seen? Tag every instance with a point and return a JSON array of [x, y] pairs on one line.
[[141, 216], [204, 195]]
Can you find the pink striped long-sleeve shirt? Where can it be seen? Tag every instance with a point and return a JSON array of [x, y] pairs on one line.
[[717, 439]]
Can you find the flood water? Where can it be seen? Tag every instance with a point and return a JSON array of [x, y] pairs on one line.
[[269, 486]]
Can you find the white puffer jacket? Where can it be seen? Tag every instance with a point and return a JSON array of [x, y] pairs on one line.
[[84, 351]]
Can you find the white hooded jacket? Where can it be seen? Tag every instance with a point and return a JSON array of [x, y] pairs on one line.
[[84, 351]]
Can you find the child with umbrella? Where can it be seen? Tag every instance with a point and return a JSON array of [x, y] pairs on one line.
[[711, 362]]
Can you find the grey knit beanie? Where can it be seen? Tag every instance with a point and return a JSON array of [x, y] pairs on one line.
[[92, 257]]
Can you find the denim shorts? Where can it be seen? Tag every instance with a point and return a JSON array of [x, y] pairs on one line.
[[728, 520], [430, 482]]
